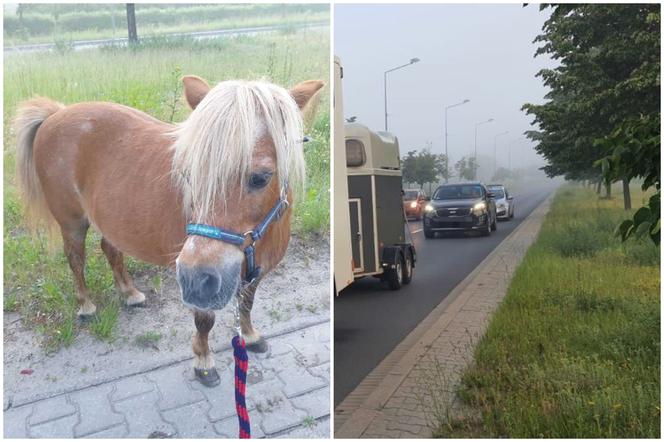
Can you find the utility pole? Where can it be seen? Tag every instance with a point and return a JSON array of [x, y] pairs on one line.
[[412, 61], [131, 23], [447, 162]]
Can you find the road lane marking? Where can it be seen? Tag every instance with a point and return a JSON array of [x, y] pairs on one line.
[[416, 231]]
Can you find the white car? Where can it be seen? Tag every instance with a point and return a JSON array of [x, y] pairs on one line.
[[504, 201]]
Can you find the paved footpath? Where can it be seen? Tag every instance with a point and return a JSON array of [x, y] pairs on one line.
[[401, 397], [288, 395]]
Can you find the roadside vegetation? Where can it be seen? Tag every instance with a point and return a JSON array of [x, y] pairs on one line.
[[573, 351], [601, 118], [61, 23], [37, 282]]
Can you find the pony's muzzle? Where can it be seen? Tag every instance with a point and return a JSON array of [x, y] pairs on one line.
[[207, 288]]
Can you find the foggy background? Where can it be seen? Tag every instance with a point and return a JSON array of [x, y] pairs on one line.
[[483, 53]]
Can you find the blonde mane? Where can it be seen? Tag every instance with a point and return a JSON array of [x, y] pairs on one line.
[[214, 146]]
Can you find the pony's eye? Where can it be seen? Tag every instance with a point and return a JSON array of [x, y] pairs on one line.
[[259, 180]]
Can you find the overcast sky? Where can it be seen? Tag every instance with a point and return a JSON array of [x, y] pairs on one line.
[[483, 53]]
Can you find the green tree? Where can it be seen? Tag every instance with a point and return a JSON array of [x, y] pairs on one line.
[[601, 118], [422, 167], [442, 169], [465, 168], [409, 167]]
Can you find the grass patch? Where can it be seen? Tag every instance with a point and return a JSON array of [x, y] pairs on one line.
[[38, 283], [103, 325], [573, 351], [148, 340], [309, 422]]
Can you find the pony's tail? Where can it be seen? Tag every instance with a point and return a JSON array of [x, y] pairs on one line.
[[29, 117]]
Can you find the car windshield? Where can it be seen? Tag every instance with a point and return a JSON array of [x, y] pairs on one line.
[[458, 192], [410, 195], [498, 192]]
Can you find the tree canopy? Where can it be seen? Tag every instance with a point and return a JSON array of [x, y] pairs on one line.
[[466, 168], [423, 167], [601, 119]]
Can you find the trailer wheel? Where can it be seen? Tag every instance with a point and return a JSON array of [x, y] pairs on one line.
[[394, 277], [407, 269]]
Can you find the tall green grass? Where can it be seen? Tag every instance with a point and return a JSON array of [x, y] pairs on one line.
[[39, 284], [574, 349]]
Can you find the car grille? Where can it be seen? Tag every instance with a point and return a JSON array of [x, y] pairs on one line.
[[452, 225], [453, 211]]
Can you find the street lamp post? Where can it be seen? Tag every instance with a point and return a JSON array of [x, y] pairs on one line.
[[412, 61], [447, 157], [475, 158], [495, 157]]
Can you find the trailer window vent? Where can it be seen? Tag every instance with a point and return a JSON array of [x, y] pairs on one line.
[[355, 155]]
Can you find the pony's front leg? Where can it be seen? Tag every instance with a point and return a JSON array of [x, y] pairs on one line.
[[255, 342], [123, 281], [203, 361]]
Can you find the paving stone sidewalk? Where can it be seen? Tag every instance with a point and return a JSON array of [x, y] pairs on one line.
[[419, 378], [288, 395]]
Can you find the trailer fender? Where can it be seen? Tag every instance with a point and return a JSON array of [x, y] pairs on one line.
[[390, 256]]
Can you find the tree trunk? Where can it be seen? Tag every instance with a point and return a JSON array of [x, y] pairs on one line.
[[131, 23], [599, 186], [608, 190], [627, 197]]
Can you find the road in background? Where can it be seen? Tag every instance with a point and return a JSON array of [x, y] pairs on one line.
[[370, 320], [201, 35]]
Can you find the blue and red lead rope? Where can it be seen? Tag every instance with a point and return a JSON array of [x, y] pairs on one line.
[[241, 366]]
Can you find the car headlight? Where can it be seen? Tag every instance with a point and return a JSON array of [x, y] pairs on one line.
[[428, 208], [413, 205], [479, 207]]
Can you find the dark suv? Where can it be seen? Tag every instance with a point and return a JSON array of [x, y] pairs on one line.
[[460, 207]]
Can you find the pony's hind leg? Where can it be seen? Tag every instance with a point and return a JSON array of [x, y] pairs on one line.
[[203, 361], [255, 342], [74, 247], [122, 279]]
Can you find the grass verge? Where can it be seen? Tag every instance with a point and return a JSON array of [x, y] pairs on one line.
[[573, 351]]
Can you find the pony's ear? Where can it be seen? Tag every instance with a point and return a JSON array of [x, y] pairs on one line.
[[303, 92], [195, 89]]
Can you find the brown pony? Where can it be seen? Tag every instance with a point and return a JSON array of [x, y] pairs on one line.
[[139, 181]]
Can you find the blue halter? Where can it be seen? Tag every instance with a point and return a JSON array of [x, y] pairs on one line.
[[238, 239]]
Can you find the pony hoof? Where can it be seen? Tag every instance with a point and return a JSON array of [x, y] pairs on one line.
[[136, 299], [86, 319], [259, 346], [209, 377], [137, 305]]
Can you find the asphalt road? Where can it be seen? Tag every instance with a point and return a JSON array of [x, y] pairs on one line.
[[370, 320]]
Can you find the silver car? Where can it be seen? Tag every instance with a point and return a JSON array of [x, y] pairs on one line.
[[504, 201]]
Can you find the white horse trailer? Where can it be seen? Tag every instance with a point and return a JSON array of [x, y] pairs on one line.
[[369, 222]]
